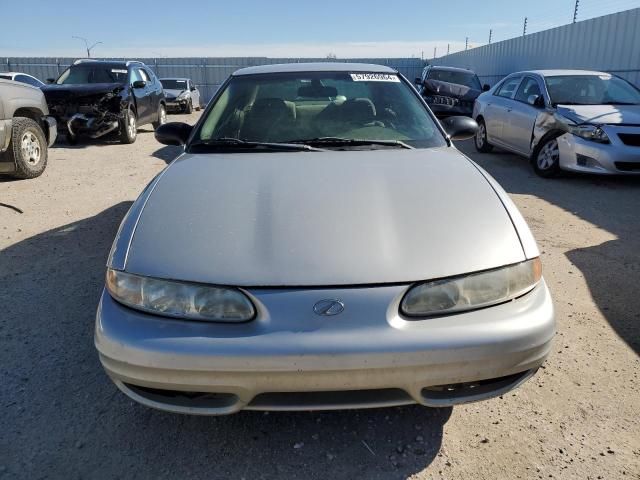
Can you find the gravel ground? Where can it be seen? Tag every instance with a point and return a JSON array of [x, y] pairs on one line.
[[62, 417]]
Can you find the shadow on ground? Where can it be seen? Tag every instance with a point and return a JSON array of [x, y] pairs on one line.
[[107, 140], [611, 269], [168, 153], [63, 418]]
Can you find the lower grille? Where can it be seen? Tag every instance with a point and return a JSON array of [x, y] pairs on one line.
[[628, 166], [631, 139]]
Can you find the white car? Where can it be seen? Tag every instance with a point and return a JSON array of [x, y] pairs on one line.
[[576, 120], [181, 94], [22, 78]]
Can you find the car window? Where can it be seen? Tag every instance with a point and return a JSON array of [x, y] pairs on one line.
[[143, 74], [135, 75], [91, 73], [468, 79], [508, 87], [591, 90], [281, 107], [173, 84], [527, 88]]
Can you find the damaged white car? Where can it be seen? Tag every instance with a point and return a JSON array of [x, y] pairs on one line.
[[573, 120]]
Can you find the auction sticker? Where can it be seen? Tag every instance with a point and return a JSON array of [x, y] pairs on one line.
[[118, 70], [374, 77]]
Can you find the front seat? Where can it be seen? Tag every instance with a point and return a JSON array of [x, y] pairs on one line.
[[268, 120]]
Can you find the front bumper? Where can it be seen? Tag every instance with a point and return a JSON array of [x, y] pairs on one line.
[[615, 158], [369, 351], [175, 104]]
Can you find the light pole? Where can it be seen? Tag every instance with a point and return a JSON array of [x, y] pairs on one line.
[[86, 45]]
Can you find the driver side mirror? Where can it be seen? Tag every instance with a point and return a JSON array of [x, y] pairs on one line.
[[139, 84], [536, 100], [460, 128], [173, 133], [486, 87]]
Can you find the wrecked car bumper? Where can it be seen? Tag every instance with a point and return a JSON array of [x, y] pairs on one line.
[[91, 125], [620, 157], [176, 104]]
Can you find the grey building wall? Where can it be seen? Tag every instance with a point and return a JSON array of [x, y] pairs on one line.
[[610, 43], [208, 73]]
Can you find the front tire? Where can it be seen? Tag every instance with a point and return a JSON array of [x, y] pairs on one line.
[[189, 108], [128, 127], [29, 148], [545, 159], [480, 140], [162, 116]]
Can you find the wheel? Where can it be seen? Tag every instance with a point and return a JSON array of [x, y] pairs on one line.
[[29, 148], [480, 140], [189, 107], [128, 127], [162, 116], [545, 159]]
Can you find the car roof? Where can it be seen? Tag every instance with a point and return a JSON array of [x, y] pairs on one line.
[[314, 67], [560, 72], [174, 78], [108, 63], [451, 69]]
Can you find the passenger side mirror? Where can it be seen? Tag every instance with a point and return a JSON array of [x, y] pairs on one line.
[[486, 87], [460, 128], [139, 84], [535, 100], [173, 133]]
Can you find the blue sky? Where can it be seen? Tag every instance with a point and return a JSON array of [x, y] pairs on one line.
[[275, 28]]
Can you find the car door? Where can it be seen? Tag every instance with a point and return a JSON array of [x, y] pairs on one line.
[[195, 94], [499, 105], [522, 117], [141, 94], [156, 93]]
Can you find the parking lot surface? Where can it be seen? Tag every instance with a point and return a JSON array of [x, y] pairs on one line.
[[63, 418]]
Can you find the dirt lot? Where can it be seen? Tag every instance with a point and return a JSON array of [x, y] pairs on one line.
[[62, 418]]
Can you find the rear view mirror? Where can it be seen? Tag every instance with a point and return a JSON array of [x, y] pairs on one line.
[[535, 100], [486, 87], [317, 91], [139, 84], [460, 128], [173, 133]]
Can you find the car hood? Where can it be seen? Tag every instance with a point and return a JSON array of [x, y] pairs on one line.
[[454, 90], [321, 218], [172, 92], [60, 93], [601, 114]]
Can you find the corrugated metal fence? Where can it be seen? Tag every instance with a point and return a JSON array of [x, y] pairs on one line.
[[207, 72], [610, 43]]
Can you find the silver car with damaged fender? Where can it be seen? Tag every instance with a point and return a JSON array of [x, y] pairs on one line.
[[321, 244], [575, 120]]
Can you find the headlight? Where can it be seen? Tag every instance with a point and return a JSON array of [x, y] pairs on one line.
[[469, 292], [179, 299], [590, 132]]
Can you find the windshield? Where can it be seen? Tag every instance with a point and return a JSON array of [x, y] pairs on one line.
[[467, 79], [299, 107], [591, 90], [171, 84], [82, 74]]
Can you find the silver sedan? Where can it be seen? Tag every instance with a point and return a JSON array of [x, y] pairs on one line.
[[321, 244], [575, 120]]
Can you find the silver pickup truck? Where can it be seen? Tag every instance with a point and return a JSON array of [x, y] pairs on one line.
[[26, 130]]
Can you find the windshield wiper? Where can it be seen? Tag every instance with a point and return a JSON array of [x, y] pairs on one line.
[[352, 142], [230, 142]]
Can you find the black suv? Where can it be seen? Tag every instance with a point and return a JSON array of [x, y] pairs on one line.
[[96, 97], [449, 90]]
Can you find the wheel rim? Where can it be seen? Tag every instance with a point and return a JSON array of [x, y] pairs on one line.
[[480, 136], [549, 155], [31, 149], [131, 126], [163, 116]]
